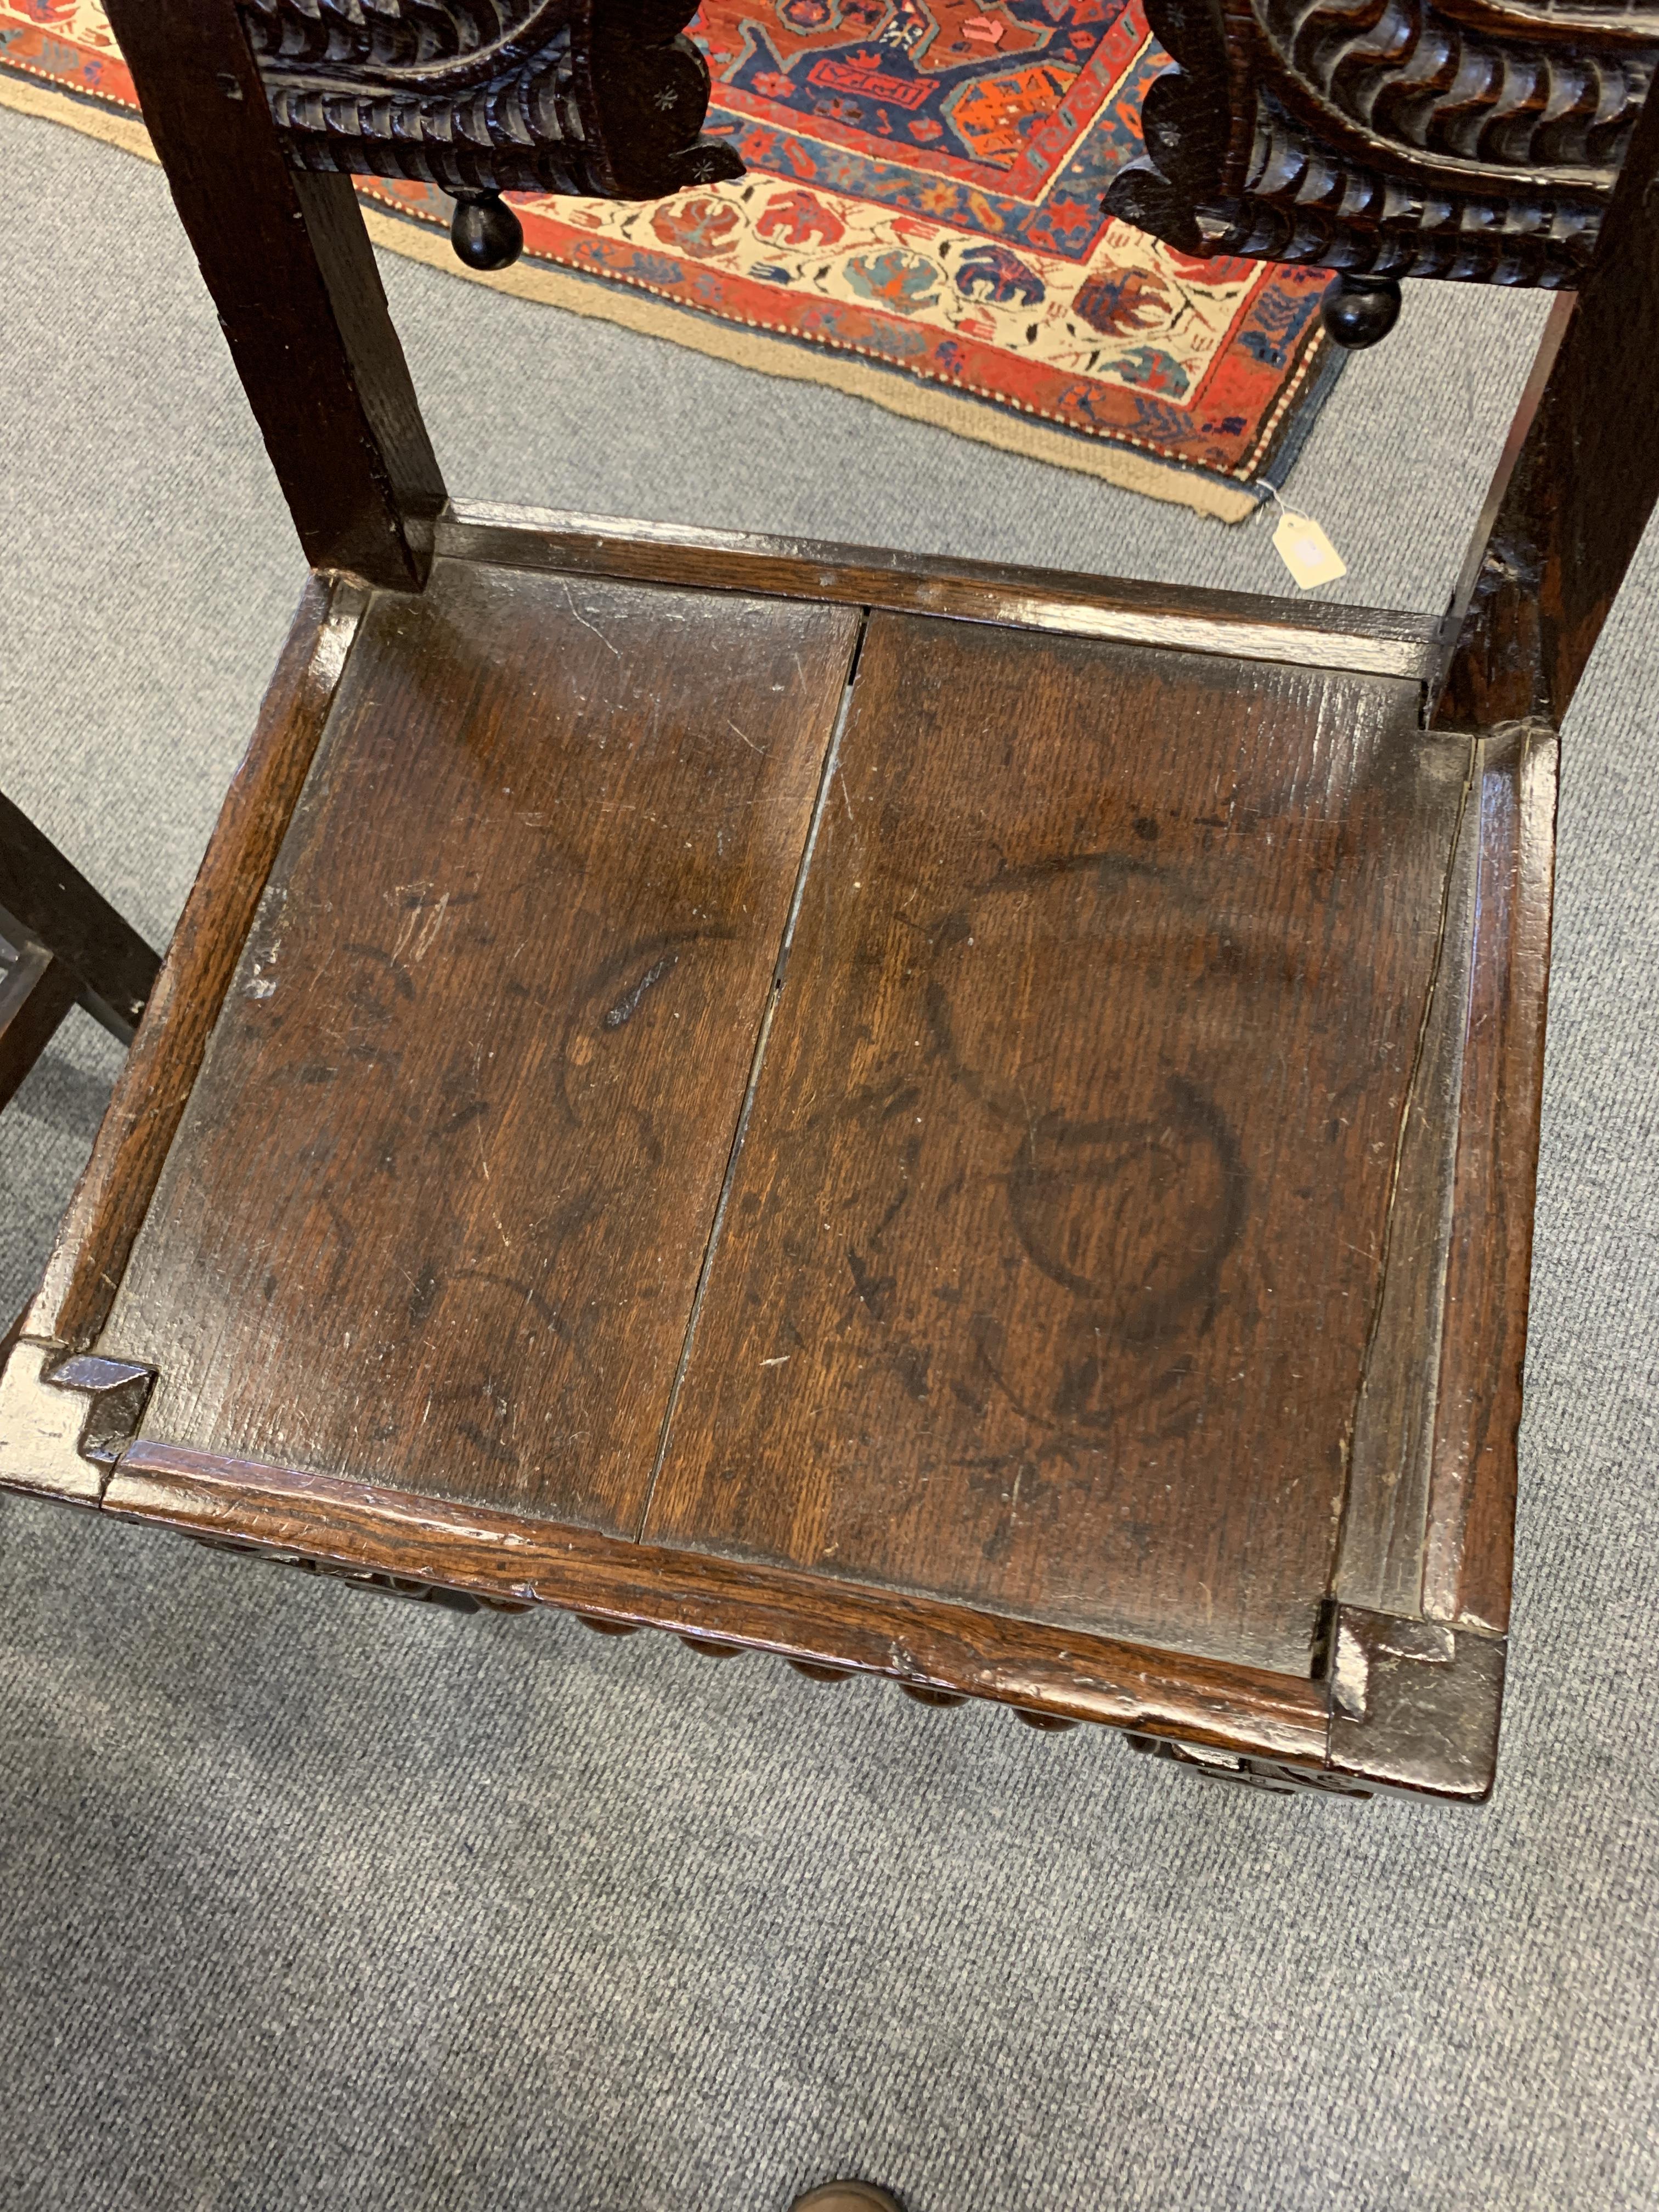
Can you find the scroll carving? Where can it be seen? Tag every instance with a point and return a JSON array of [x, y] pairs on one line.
[[478, 97], [379, 1585], [1274, 1775], [1472, 139]]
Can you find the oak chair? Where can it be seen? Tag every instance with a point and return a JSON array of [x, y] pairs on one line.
[[962, 1123], [61, 945]]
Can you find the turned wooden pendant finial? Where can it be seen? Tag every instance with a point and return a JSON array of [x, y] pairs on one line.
[[484, 231], [1359, 310]]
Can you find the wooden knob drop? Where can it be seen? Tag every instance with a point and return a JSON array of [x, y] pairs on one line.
[[1359, 310], [484, 231]]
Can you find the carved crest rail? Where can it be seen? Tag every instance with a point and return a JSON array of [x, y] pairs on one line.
[[1478, 140], [603, 98]]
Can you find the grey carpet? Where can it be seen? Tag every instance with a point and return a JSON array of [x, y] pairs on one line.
[[309, 1900]]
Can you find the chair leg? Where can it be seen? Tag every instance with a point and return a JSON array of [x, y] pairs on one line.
[[36, 992], [49, 904]]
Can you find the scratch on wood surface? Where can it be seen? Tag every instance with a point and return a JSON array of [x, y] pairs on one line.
[[627, 1007], [412, 898], [495, 1211], [430, 928], [571, 602]]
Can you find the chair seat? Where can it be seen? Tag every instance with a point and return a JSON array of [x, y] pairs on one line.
[[916, 1142]]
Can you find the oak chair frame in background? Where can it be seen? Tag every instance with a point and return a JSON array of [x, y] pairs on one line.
[[69, 947], [1403, 1678]]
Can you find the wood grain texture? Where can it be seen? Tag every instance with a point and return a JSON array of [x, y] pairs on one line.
[[1054, 1241], [1247, 625], [292, 274], [1380, 1559], [44, 897], [1578, 497], [436, 1214], [926, 1646], [36, 993], [1029, 1194], [114, 1191], [1415, 1705], [1471, 1516]]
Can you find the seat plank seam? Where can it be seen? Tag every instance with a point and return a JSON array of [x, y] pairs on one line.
[[826, 780]]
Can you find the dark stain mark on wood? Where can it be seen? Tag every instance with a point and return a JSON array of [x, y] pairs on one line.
[[874, 1289], [474, 1110], [1136, 1216], [368, 1004]]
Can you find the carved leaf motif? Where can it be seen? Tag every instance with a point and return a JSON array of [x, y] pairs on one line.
[[597, 97], [1473, 139]]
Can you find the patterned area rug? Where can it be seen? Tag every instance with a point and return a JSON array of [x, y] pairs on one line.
[[919, 224]]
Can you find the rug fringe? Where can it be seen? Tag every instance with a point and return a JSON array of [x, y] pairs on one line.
[[886, 388]]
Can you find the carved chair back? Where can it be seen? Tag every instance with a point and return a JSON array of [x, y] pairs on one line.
[[1477, 141], [259, 112]]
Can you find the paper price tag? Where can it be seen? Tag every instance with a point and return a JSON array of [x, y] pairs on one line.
[[1306, 551]]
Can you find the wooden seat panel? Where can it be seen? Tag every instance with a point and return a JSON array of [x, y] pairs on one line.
[[1047, 1275], [436, 1210], [1057, 1226], [984, 1151]]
